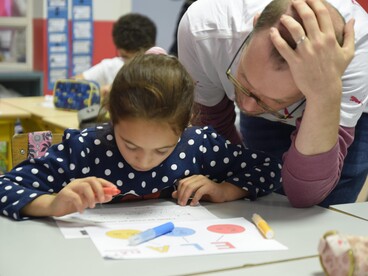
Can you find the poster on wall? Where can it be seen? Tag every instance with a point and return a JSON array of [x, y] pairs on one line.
[[82, 35], [57, 41]]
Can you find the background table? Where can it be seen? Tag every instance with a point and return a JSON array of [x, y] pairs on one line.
[[38, 248], [9, 114], [42, 109]]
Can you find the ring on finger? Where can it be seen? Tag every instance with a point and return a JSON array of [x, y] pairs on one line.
[[300, 40]]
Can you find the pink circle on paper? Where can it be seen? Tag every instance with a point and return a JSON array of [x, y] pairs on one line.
[[226, 228]]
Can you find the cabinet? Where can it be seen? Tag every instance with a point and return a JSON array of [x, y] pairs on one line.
[[16, 35], [27, 83]]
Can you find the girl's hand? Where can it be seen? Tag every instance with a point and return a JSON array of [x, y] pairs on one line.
[[199, 187], [80, 194]]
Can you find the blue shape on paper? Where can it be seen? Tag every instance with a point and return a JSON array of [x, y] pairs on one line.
[[181, 232]]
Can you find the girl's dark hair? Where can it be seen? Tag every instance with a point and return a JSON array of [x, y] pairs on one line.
[[152, 87]]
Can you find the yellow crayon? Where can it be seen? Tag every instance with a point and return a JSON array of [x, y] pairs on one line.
[[263, 226]]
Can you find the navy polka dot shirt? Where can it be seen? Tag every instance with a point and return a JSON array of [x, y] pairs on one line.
[[93, 152]]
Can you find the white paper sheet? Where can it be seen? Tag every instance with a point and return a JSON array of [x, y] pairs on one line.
[[72, 225], [200, 237]]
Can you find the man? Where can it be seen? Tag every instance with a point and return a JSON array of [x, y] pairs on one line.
[[285, 69], [132, 33]]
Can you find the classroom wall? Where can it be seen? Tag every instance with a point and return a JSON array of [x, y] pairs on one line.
[[103, 47]]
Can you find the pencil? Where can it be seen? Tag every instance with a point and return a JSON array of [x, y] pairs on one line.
[[263, 226]]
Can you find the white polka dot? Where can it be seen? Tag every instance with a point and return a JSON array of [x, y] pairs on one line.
[[109, 153], [33, 195], [272, 174], [4, 199], [254, 155], [187, 172], [16, 202], [194, 160], [182, 155], [119, 183], [19, 169], [85, 170], [213, 163], [262, 179], [18, 178], [198, 131], [267, 159], [72, 167], [153, 174], [109, 137], [20, 192], [154, 190], [191, 142], [88, 150], [235, 153], [7, 188], [214, 135], [60, 170], [50, 178], [229, 173], [236, 179], [97, 142], [216, 148], [107, 172], [120, 165], [165, 179], [46, 154], [174, 167], [131, 175], [243, 165], [36, 184], [67, 136], [83, 154], [97, 161], [226, 160], [143, 184], [34, 171], [5, 213], [15, 216], [280, 167], [81, 139], [46, 165]]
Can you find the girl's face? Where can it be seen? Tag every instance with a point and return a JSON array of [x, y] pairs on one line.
[[144, 144]]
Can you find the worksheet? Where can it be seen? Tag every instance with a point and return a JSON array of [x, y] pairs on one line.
[[72, 225], [199, 237]]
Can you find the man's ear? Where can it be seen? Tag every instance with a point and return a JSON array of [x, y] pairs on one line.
[[255, 18]]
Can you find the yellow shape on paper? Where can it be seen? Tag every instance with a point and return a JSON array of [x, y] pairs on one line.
[[162, 249], [123, 234]]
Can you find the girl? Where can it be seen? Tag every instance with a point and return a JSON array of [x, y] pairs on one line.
[[146, 151]]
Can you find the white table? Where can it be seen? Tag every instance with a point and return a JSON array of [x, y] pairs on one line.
[[38, 248], [359, 209]]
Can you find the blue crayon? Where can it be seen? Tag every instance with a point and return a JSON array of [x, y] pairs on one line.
[[151, 233]]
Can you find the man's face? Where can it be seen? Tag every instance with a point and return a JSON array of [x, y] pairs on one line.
[[261, 74]]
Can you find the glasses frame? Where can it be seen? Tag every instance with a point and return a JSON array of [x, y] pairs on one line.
[[247, 93]]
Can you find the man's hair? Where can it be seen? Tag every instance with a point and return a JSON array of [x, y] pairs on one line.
[[270, 16], [134, 32]]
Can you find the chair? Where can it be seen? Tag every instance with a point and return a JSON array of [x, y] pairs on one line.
[[32, 145]]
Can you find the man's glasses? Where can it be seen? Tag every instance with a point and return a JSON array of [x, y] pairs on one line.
[[245, 91]]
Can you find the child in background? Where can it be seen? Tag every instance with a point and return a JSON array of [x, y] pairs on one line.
[[147, 151]]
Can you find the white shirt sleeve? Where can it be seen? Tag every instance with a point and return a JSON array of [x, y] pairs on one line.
[[104, 72]]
